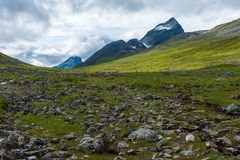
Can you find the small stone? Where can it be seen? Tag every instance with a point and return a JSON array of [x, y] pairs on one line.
[[86, 156], [236, 96], [187, 152], [170, 86], [223, 141], [167, 155], [3, 83], [32, 158], [70, 137], [176, 156], [119, 158], [123, 145], [133, 152], [64, 147], [73, 157], [237, 138], [190, 138], [62, 155], [210, 145]]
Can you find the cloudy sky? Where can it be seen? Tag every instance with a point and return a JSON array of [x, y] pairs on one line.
[[46, 32]]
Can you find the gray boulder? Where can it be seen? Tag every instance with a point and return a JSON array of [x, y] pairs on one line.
[[233, 109], [144, 134], [70, 137], [95, 144]]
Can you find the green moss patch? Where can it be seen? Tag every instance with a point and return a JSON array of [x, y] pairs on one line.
[[3, 103]]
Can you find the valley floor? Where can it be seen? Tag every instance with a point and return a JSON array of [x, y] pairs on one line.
[[54, 114]]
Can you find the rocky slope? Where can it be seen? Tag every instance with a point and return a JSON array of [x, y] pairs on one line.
[[63, 115]]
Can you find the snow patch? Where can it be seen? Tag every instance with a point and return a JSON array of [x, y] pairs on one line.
[[134, 47], [146, 45], [163, 27]]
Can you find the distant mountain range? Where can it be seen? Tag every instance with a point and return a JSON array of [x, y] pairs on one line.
[[118, 49], [70, 63], [187, 51], [165, 47]]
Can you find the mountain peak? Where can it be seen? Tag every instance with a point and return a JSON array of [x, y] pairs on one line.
[[162, 33], [170, 24], [70, 63], [172, 19]]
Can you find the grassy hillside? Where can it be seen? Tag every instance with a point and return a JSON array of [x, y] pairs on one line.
[[219, 46], [8, 62]]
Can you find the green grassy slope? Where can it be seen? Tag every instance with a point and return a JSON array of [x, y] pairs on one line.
[[220, 45], [8, 62]]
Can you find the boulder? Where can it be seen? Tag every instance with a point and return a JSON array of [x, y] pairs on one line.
[[70, 137], [144, 134], [95, 144], [233, 109]]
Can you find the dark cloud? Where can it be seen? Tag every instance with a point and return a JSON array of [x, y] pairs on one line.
[[22, 19], [124, 5], [176, 6], [15, 8]]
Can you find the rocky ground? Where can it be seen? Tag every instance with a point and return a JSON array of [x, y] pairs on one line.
[[67, 115]]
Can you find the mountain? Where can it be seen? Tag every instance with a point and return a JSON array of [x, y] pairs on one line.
[[162, 33], [188, 51], [118, 49], [70, 63], [114, 50]]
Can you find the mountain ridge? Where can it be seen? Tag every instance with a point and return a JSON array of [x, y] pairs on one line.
[[118, 49]]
